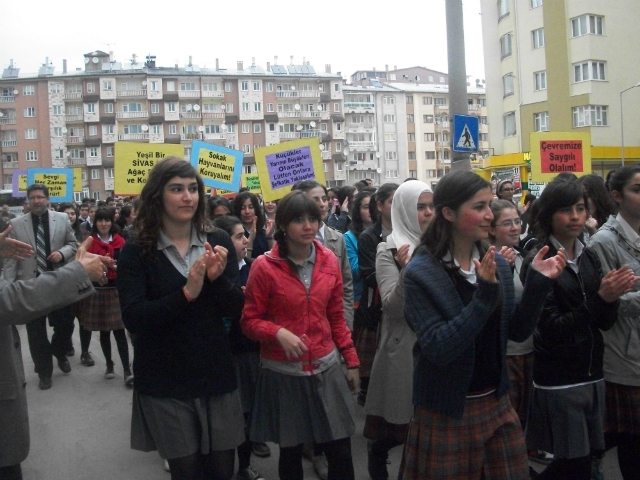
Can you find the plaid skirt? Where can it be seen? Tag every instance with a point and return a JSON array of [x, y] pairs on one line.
[[376, 427], [487, 442], [101, 311], [366, 342], [622, 409], [520, 369]]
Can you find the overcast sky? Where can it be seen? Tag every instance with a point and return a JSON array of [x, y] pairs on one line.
[[348, 34]]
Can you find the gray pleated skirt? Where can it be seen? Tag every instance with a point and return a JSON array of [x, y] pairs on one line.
[[289, 410], [247, 371], [567, 422], [178, 428]]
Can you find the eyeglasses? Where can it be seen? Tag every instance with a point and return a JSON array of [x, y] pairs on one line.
[[507, 190], [31, 199], [511, 223]]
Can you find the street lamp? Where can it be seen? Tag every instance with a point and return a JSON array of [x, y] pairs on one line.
[[622, 119]]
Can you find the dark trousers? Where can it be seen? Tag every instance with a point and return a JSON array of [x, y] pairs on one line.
[[338, 453], [12, 472], [40, 347]]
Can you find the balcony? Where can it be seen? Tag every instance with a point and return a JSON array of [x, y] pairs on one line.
[[75, 139], [215, 136], [14, 164], [9, 143], [362, 145], [72, 96], [310, 133], [289, 114], [212, 115], [7, 98], [286, 93], [132, 114], [75, 162], [358, 127], [191, 115], [212, 94], [190, 136], [8, 186], [132, 93], [289, 135], [474, 108], [74, 118], [189, 94], [358, 105], [8, 121], [133, 136], [326, 154], [310, 114], [308, 94]]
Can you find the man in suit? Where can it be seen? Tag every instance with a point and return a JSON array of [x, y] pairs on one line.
[[21, 301], [53, 240]]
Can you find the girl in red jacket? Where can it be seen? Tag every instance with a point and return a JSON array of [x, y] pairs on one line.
[[101, 311], [294, 308]]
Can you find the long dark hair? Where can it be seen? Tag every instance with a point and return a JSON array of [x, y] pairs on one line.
[[105, 213], [149, 218], [595, 189], [381, 195], [454, 189], [556, 195], [356, 225], [226, 223], [125, 212], [621, 176], [75, 226], [294, 205], [257, 210]]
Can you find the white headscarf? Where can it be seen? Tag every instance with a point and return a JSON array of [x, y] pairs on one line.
[[404, 214]]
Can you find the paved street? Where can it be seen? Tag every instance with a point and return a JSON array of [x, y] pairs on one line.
[[80, 429]]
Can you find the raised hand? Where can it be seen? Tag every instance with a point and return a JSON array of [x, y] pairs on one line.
[[195, 278], [616, 283], [509, 254], [93, 264], [215, 260], [487, 269], [402, 255], [12, 248], [551, 267], [271, 225]]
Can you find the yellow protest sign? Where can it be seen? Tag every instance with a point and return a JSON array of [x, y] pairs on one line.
[[556, 152], [59, 181], [283, 165], [252, 182], [19, 183], [77, 179], [219, 167], [133, 161]]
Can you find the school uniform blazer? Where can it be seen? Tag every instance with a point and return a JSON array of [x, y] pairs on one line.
[[61, 239], [334, 241], [21, 302]]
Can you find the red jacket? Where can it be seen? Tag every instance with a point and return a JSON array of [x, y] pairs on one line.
[[275, 298], [107, 249]]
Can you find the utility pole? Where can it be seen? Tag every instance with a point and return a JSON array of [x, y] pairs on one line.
[[457, 75]]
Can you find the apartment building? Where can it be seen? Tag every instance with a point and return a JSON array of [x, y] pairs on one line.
[[74, 119], [560, 66]]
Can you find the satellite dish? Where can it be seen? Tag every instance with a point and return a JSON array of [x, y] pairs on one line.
[[299, 127], [145, 128], [86, 59], [378, 170], [223, 107], [312, 124], [95, 59], [15, 92], [322, 146], [223, 127], [64, 130], [296, 107], [293, 89], [196, 107], [144, 83], [201, 128], [1, 114], [189, 107]]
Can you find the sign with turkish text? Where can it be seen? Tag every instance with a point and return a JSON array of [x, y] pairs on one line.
[[19, 183], [252, 182], [283, 165], [77, 180], [219, 167], [133, 161], [557, 152], [59, 181]]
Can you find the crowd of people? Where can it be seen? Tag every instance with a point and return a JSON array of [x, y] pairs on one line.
[[477, 332]]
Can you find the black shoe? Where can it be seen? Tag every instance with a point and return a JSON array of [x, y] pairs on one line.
[[86, 360], [109, 374], [128, 377], [260, 449], [64, 365], [377, 464], [45, 383], [71, 352]]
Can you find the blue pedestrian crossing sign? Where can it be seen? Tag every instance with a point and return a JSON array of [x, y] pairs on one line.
[[465, 133]]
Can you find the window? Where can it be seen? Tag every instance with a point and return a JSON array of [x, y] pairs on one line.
[[427, 100], [96, 195], [270, 107], [95, 174], [503, 8], [131, 129], [257, 128], [590, 70], [590, 115], [231, 128], [482, 102], [30, 134], [57, 131], [409, 99], [131, 107], [173, 129], [587, 25], [91, 87], [336, 87], [246, 148], [244, 86], [108, 129], [171, 86], [109, 151], [154, 85], [389, 137], [32, 156], [507, 84], [391, 156], [410, 118], [429, 137], [388, 100], [56, 88], [245, 106], [429, 155], [269, 87], [93, 130], [509, 124], [108, 173], [171, 107], [338, 126], [155, 108], [427, 118], [411, 137], [256, 86], [28, 90], [392, 174], [257, 107], [441, 79], [541, 121], [483, 120], [272, 127], [441, 101], [505, 46], [229, 108], [30, 112], [107, 85], [57, 110], [338, 146], [412, 155], [76, 153], [540, 80], [91, 108], [93, 152], [390, 118], [323, 127], [59, 153], [228, 87], [245, 128], [537, 38], [484, 137], [187, 86], [108, 108], [156, 129], [536, 3], [336, 107]]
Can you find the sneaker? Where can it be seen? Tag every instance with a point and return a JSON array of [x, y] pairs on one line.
[[86, 360], [249, 474], [166, 466], [128, 377], [321, 466], [260, 449], [109, 374], [540, 456]]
